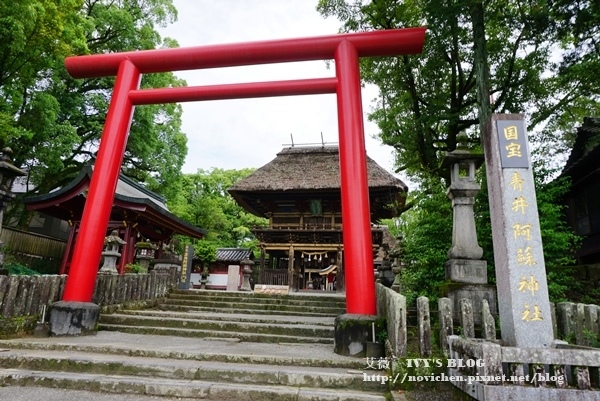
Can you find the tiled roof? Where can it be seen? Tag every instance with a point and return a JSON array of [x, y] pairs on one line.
[[233, 254]]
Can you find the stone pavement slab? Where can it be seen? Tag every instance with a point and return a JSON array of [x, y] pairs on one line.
[[192, 348], [56, 394]]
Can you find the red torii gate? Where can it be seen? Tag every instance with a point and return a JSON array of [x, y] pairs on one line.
[[345, 49]]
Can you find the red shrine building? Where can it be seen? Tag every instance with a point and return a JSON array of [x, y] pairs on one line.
[[138, 215], [299, 192]]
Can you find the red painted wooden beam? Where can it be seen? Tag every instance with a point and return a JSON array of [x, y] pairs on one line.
[[234, 91], [367, 44]]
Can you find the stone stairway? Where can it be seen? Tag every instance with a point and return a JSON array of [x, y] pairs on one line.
[[237, 315], [203, 345]]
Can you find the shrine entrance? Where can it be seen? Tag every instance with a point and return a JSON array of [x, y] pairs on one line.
[[128, 67], [299, 193]]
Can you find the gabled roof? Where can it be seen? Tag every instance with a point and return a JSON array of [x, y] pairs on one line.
[[132, 202]]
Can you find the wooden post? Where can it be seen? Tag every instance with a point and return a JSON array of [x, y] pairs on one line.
[[262, 259], [291, 268]]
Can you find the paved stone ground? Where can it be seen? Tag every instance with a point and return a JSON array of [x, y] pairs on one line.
[[438, 392], [424, 395], [51, 394], [190, 346]]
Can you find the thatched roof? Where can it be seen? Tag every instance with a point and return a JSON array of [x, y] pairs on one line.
[[303, 172], [309, 168]]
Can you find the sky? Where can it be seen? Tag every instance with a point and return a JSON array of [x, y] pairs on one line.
[[236, 134]]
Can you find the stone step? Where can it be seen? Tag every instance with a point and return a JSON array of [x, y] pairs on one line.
[[282, 308], [189, 348], [179, 388], [271, 300], [256, 318], [183, 367], [177, 369], [289, 328], [319, 296], [241, 310], [184, 332]]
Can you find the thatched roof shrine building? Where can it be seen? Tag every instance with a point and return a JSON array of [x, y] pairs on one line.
[[299, 192]]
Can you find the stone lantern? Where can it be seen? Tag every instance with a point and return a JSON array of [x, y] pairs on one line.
[[204, 278], [466, 273], [463, 188], [396, 269], [8, 173], [144, 254], [112, 246], [247, 272]]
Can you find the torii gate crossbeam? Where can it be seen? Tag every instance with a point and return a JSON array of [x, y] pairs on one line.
[[128, 67]]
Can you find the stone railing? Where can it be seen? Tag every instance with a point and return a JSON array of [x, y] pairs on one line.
[[487, 370], [392, 307], [120, 289], [26, 295], [579, 324]]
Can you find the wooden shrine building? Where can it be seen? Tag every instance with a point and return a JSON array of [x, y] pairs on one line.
[[138, 214], [299, 192], [583, 198]]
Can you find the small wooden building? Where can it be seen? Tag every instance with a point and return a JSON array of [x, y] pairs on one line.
[[299, 192], [228, 264], [583, 199], [138, 214]]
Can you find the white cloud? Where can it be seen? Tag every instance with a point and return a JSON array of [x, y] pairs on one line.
[[235, 134]]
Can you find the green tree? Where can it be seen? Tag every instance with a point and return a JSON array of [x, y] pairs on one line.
[[529, 57], [558, 240], [426, 232], [55, 121], [206, 252], [35, 35], [426, 100], [203, 200]]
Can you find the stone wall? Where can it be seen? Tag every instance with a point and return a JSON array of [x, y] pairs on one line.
[[26, 295]]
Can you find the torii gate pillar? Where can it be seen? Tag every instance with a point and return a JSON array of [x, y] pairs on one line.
[[345, 49]]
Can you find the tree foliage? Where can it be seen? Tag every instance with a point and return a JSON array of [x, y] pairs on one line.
[[203, 200], [535, 60], [34, 36], [54, 122], [426, 233], [542, 60], [205, 251]]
